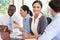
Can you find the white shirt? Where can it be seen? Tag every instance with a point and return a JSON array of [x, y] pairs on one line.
[[4, 20], [52, 31], [34, 25]]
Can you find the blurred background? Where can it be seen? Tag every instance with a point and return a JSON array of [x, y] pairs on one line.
[[5, 3]]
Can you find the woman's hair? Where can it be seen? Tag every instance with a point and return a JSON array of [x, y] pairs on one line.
[[30, 12], [37, 2], [26, 8]]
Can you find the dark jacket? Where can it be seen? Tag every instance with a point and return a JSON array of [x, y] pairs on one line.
[[41, 25]]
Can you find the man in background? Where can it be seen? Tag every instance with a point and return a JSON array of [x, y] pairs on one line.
[[10, 18]]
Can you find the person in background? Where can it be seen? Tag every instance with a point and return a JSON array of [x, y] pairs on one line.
[[10, 17], [52, 31], [26, 14]]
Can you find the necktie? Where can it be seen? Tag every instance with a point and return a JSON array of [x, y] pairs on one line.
[[10, 23]]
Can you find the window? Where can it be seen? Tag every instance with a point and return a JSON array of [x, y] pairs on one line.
[[3, 6], [18, 3]]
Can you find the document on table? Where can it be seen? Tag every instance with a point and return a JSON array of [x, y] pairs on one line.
[[15, 33]]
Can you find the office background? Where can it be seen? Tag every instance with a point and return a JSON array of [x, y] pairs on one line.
[[5, 3]]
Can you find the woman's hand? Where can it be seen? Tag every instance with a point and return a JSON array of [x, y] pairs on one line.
[[33, 36], [37, 36], [16, 26], [25, 35]]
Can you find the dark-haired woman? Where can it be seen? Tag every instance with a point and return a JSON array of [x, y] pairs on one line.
[[26, 14], [38, 21]]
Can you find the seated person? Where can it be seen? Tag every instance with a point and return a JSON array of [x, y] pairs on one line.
[[26, 14], [10, 17]]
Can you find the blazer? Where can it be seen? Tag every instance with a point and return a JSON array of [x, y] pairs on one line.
[[41, 25]]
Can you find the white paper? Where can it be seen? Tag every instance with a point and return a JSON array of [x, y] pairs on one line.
[[16, 32]]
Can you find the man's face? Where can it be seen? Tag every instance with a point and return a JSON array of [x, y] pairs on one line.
[[11, 10], [52, 12]]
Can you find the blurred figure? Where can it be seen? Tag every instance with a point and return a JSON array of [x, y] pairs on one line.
[[10, 17], [52, 31], [26, 14]]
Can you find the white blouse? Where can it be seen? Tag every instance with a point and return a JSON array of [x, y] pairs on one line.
[[34, 25]]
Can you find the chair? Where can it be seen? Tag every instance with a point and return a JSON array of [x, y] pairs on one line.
[[4, 32]]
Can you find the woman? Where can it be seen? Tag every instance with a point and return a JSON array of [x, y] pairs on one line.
[[26, 14], [38, 21]]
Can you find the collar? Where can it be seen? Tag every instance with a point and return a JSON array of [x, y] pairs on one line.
[[57, 15], [8, 16], [39, 16], [27, 17]]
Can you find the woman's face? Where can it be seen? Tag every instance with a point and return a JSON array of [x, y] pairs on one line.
[[23, 13], [36, 8]]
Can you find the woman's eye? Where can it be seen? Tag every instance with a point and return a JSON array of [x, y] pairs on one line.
[[37, 7], [33, 6]]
